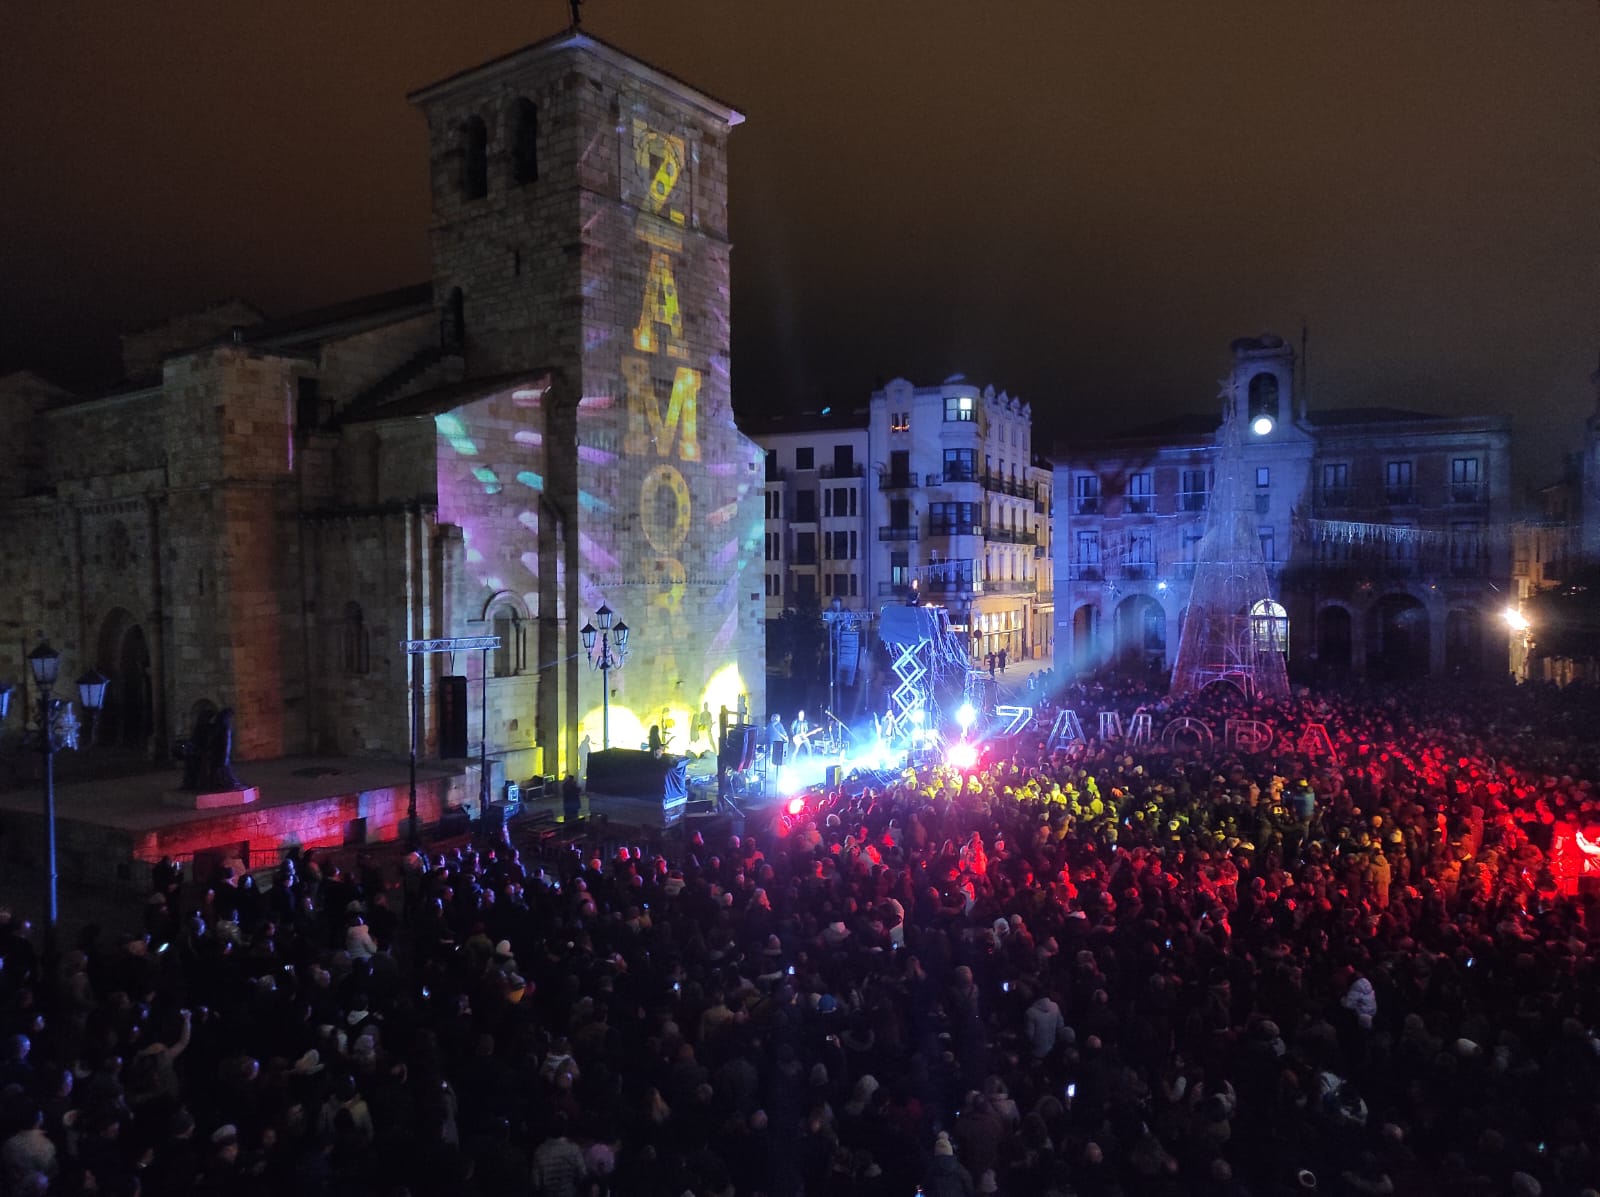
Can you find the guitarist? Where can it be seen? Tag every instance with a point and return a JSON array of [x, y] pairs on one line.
[[800, 734]]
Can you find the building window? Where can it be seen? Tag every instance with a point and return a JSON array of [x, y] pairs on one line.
[[1141, 494], [1466, 548], [844, 460], [1086, 494], [774, 546], [1087, 562], [805, 459], [960, 465], [899, 569], [900, 421], [773, 473], [959, 408], [1263, 477], [474, 158], [805, 548], [308, 404], [511, 658], [353, 642], [1397, 482], [839, 501], [1141, 561], [1269, 543], [1192, 495], [1269, 626], [1464, 481], [805, 586], [1336, 484], [524, 141], [805, 507]]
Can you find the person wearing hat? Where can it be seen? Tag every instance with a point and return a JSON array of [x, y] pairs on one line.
[[945, 1176]]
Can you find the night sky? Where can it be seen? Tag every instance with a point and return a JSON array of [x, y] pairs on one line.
[[1082, 203]]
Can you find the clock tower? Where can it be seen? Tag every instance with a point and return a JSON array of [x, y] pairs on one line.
[[580, 229]]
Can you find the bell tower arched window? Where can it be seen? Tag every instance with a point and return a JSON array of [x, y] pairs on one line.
[[1263, 397], [511, 658], [474, 158], [355, 648], [524, 141]]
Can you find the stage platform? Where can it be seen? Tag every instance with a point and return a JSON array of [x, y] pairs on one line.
[[109, 831]]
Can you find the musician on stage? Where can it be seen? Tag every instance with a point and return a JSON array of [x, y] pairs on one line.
[[800, 735]]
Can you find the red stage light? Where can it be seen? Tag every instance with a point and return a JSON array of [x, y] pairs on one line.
[[962, 755], [797, 806]]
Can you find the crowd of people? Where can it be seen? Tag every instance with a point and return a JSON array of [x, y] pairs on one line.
[[1105, 969]]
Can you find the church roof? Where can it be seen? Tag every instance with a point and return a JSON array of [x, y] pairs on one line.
[[437, 400]]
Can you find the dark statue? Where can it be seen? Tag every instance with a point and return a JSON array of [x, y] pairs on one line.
[[207, 754]]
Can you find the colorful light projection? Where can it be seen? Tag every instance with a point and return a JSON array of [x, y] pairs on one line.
[[679, 482]]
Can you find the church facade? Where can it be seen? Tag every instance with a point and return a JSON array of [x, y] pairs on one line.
[[266, 509]]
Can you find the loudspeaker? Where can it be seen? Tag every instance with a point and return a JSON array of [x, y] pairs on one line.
[[738, 748], [776, 752], [452, 718]]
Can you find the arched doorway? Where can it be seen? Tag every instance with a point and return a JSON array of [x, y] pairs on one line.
[[1333, 640], [1463, 641], [1086, 636], [127, 719], [1141, 631], [1397, 637]]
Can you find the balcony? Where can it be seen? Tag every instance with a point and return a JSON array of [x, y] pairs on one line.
[[1040, 507], [894, 589], [1139, 504], [955, 528], [1139, 571], [838, 471], [1008, 486], [1011, 535], [895, 532], [1182, 569], [1466, 492], [1011, 586], [1086, 505], [1400, 496], [897, 481], [1192, 500], [1085, 571], [1334, 496], [944, 586], [954, 473]]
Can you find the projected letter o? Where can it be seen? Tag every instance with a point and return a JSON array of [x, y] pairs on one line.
[[664, 534]]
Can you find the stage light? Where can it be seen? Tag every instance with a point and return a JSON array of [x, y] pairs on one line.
[[966, 716], [962, 755], [1516, 620], [1261, 425], [916, 716], [796, 806]]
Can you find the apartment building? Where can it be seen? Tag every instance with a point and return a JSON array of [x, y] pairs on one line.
[[930, 493]]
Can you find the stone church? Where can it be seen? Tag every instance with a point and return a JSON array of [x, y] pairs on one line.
[[266, 508]]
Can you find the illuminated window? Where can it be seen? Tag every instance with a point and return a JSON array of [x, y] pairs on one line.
[[1269, 626], [959, 408], [511, 658], [1263, 477], [474, 158], [524, 141], [900, 421]]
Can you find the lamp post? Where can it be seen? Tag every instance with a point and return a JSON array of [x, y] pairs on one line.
[[613, 644], [57, 729]]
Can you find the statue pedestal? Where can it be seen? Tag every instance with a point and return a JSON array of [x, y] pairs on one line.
[[216, 800]]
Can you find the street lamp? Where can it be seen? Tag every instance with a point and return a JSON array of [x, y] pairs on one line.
[[57, 729], [613, 642]]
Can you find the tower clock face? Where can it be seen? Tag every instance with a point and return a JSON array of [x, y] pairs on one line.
[[659, 168]]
